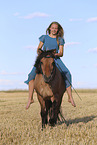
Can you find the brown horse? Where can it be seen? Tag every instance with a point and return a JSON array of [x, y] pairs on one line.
[[50, 87]]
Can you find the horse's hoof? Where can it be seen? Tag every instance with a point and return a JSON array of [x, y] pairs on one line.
[[43, 126], [52, 122], [41, 129]]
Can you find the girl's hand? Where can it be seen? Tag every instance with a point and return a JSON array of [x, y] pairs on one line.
[[39, 47], [60, 54], [56, 54], [39, 51]]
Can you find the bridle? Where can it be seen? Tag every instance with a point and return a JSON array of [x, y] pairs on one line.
[[53, 73]]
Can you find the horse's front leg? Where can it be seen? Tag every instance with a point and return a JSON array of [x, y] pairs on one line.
[[43, 112], [53, 117], [43, 117], [58, 104], [55, 109]]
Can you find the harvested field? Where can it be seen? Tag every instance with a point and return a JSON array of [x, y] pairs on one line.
[[19, 126]]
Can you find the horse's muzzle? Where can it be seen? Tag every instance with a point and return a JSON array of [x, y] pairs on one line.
[[47, 79]]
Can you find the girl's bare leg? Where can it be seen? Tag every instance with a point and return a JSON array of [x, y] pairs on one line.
[[31, 90], [70, 98]]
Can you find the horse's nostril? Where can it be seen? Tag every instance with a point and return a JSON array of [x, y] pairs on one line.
[[46, 79]]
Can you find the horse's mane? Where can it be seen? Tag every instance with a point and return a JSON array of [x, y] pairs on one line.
[[47, 53]]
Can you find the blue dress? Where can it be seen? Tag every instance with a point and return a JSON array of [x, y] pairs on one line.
[[51, 43]]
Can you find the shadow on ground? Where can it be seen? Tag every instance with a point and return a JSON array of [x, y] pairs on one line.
[[85, 119]]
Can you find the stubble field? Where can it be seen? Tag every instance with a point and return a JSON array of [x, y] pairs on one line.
[[19, 126]]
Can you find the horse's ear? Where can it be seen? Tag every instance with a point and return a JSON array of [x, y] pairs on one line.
[[40, 51]]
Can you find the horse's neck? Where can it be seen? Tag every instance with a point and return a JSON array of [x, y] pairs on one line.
[[58, 81]]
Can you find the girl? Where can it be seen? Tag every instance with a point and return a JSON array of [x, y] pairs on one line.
[[52, 40]]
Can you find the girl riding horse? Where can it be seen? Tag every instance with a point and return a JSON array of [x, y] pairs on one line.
[[52, 40]]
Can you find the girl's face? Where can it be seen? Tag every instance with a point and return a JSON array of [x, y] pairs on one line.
[[54, 29]]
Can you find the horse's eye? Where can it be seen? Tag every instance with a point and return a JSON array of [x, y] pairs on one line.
[[41, 63]]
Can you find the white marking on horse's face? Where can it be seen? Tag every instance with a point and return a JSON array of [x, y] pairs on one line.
[[47, 66]]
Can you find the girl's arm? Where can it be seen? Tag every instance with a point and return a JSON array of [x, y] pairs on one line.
[[60, 54], [39, 47]]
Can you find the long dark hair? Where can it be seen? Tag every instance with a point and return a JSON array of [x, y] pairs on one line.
[[60, 31]]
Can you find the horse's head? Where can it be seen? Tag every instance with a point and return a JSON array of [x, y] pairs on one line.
[[45, 65]]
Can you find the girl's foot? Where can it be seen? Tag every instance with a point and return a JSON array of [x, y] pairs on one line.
[[72, 102], [29, 102]]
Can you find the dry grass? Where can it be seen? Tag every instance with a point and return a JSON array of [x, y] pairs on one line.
[[23, 127]]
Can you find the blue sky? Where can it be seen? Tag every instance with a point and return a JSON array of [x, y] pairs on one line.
[[22, 22]]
